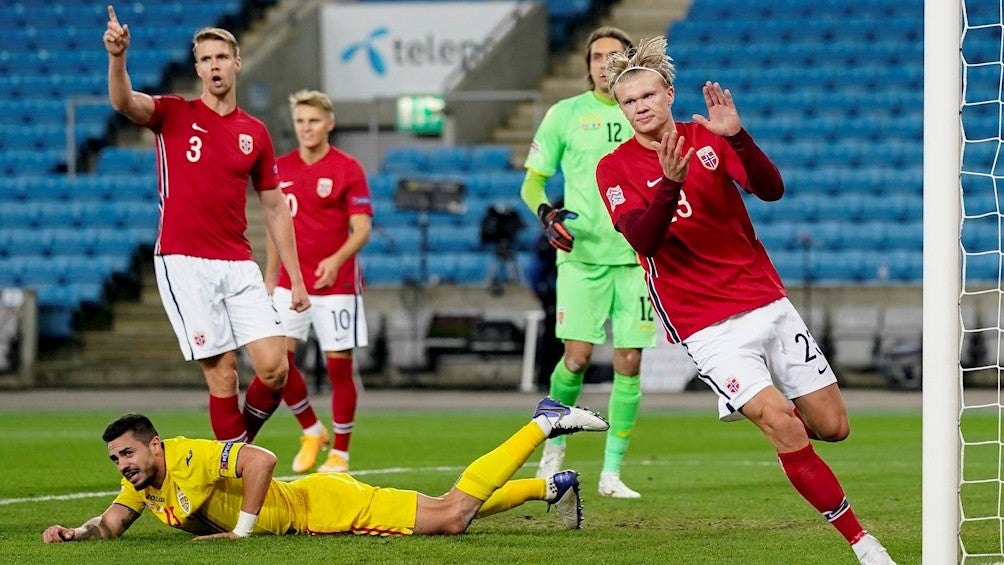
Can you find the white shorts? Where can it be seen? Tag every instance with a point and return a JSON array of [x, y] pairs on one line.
[[742, 355], [215, 306], [338, 319]]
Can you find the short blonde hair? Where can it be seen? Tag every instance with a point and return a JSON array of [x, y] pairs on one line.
[[217, 33], [314, 98], [650, 56]]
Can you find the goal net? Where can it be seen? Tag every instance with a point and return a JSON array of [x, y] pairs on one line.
[[971, 529]]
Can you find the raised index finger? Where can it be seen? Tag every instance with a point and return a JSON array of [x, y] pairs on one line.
[[111, 14]]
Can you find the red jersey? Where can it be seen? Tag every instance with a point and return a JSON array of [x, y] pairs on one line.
[[709, 264], [204, 161], [321, 198]]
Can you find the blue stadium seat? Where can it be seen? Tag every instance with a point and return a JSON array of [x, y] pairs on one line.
[[907, 236], [72, 242], [448, 160], [29, 242], [838, 267], [405, 160], [865, 236], [490, 157], [447, 238]]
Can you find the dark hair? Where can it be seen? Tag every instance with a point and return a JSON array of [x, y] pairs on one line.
[[138, 424], [599, 33]]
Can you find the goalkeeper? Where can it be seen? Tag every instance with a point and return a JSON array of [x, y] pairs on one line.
[[226, 490], [598, 272]]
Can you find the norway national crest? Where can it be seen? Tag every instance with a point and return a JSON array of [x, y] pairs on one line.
[[324, 187], [708, 157], [246, 143]]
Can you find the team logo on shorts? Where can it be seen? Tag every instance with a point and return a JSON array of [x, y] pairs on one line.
[[324, 187], [199, 338], [708, 157], [615, 196], [560, 316], [733, 385], [186, 504], [246, 143]]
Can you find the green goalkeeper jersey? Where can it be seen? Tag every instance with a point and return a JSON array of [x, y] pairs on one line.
[[575, 134]]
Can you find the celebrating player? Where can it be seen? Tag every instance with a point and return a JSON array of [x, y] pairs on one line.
[[711, 280], [216, 489], [330, 203], [598, 273], [212, 290]]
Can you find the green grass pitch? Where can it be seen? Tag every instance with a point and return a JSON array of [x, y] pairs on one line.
[[712, 493]]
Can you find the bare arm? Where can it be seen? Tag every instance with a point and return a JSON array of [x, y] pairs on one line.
[[280, 230], [111, 524], [255, 466], [271, 263], [136, 106], [360, 226]]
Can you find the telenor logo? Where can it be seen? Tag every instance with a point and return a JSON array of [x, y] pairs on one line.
[[376, 60]]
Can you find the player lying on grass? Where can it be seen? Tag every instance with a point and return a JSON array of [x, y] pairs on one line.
[[226, 490]]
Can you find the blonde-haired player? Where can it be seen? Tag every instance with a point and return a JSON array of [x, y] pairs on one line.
[[329, 200], [671, 190]]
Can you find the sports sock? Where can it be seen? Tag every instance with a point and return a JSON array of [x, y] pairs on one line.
[[565, 388], [260, 402], [808, 430], [625, 398], [294, 394], [226, 419], [343, 400], [512, 494], [817, 484], [490, 471]]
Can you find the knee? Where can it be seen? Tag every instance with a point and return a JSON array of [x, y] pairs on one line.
[[577, 359], [627, 362], [835, 431], [274, 375]]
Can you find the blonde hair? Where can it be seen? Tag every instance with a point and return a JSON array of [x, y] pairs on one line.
[[649, 56], [217, 33], [314, 98]]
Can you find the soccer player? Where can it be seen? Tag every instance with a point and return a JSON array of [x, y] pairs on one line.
[[212, 290], [598, 273], [710, 278], [330, 203], [216, 489]]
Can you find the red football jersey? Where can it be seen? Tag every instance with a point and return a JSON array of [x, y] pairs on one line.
[[321, 198], [204, 161], [710, 264]]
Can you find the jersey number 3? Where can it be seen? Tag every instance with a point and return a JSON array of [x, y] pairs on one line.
[[194, 152]]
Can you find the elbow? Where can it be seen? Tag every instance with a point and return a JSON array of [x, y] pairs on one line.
[[772, 194]]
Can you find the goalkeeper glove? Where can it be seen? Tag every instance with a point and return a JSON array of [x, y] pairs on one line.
[[557, 235]]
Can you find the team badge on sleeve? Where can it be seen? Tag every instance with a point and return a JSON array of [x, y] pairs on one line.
[[246, 143], [615, 196], [708, 157], [324, 187]]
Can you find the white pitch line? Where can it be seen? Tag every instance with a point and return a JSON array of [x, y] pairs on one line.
[[361, 472]]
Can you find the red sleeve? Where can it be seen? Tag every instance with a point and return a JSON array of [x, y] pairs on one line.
[[161, 105], [643, 225], [265, 175], [762, 177], [358, 193], [645, 229]]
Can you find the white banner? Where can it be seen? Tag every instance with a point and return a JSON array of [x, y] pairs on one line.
[[392, 49]]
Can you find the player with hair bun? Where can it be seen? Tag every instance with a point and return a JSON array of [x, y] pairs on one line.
[[671, 190]]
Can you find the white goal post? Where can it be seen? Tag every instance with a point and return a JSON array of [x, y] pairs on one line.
[[942, 386]]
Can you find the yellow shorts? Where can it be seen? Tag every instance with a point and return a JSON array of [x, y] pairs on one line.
[[335, 503]]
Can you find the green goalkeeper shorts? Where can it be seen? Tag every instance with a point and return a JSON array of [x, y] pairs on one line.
[[589, 294]]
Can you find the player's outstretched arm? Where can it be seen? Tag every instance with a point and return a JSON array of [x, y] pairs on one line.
[[111, 524], [136, 106], [280, 229]]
